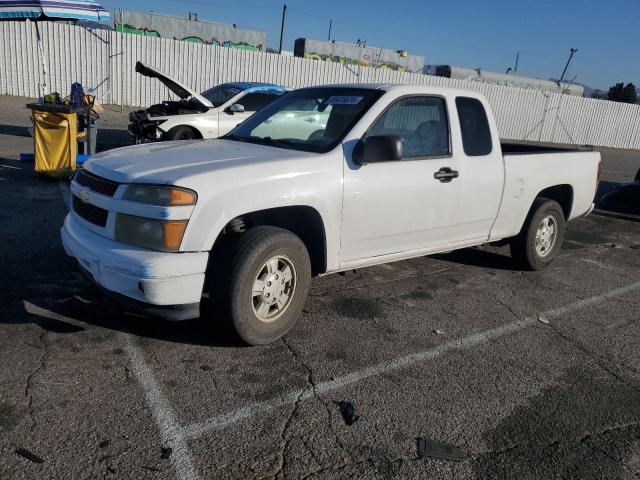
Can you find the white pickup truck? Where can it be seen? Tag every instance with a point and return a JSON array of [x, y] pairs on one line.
[[322, 180]]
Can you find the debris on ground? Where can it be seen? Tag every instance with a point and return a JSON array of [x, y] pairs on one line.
[[104, 444], [427, 447], [348, 412], [23, 452], [165, 453], [438, 332], [543, 319]]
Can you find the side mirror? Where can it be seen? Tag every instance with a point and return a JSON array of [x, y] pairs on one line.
[[378, 148], [236, 108]]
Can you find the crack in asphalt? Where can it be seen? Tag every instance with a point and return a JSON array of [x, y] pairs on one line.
[[599, 360], [282, 461], [42, 363], [514, 314], [313, 388]]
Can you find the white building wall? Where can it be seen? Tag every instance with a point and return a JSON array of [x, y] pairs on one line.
[[105, 61]]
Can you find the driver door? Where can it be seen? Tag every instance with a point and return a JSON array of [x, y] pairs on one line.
[[398, 206]]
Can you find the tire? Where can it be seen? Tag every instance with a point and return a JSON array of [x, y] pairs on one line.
[[523, 247], [254, 318], [181, 132]]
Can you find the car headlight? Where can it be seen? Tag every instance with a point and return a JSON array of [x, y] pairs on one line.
[[163, 235], [160, 195]]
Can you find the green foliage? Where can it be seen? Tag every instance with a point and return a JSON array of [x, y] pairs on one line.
[[623, 93]]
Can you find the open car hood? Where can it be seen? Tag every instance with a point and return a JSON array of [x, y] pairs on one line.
[[175, 86]]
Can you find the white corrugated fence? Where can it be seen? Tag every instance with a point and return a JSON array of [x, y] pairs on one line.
[[61, 54]]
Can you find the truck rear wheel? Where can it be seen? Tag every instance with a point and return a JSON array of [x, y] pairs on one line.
[[270, 279], [540, 239]]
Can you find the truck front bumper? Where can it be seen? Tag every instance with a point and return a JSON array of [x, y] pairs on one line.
[[167, 285]]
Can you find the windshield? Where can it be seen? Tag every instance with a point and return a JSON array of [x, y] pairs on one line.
[[312, 119], [221, 94]]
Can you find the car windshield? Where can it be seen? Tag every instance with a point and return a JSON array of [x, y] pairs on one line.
[[311, 119], [221, 94]]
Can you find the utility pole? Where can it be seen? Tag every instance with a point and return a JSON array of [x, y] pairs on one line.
[[329, 36], [284, 12], [515, 69], [573, 51]]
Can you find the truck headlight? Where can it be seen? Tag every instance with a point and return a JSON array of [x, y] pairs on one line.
[[160, 195], [164, 235]]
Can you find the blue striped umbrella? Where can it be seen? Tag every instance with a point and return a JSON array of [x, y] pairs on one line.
[[54, 9]]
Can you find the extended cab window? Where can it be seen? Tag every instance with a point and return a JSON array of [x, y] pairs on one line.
[[252, 102], [474, 125], [421, 123]]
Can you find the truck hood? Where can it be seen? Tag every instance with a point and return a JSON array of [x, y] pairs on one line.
[[170, 162], [172, 84]]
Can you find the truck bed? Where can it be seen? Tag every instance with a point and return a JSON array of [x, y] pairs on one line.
[[529, 172], [523, 148]]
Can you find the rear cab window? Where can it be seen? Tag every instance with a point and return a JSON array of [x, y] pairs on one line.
[[474, 127]]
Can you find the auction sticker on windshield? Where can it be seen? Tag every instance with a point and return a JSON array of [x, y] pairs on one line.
[[343, 100]]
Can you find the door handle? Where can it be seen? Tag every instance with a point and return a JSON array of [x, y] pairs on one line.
[[445, 174]]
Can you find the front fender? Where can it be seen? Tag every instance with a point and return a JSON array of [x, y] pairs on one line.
[[320, 189]]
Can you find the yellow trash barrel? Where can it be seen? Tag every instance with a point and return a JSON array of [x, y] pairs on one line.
[[55, 143]]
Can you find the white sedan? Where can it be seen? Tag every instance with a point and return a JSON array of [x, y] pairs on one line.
[[209, 114]]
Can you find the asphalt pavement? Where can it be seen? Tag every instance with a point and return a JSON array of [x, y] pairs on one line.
[[507, 374]]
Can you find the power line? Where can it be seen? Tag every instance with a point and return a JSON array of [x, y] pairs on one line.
[[395, 34], [209, 4], [612, 71]]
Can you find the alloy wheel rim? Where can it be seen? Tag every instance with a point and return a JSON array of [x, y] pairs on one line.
[[273, 288], [546, 236]]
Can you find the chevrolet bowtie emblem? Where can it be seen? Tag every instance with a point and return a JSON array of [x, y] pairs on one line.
[[84, 195]]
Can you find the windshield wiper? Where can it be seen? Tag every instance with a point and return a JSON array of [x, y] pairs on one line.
[[272, 142], [282, 143], [231, 136]]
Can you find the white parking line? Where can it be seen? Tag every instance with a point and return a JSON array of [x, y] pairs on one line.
[[598, 264], [170, 429], [197, 429], [177, 436], [163, 415]]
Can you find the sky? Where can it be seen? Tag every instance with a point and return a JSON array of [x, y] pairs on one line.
[[471, 33]]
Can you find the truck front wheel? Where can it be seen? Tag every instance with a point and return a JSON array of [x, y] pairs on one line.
[[540, 239], [270, 279]]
